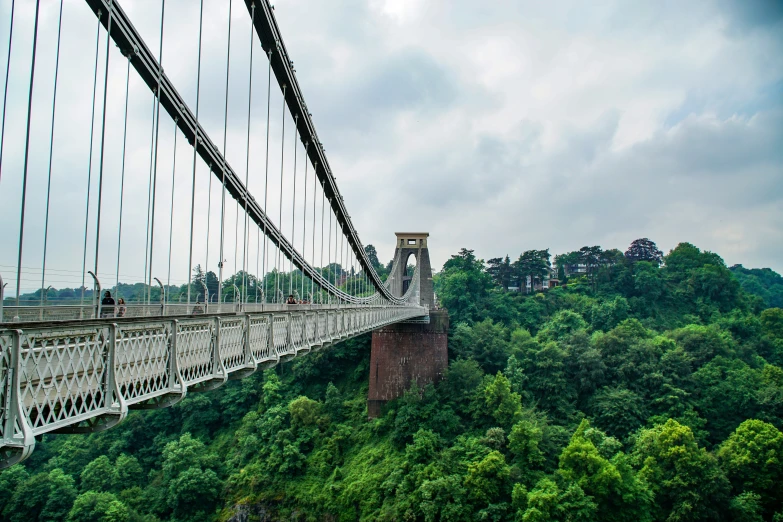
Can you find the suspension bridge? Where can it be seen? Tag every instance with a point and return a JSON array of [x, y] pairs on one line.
[[302, 278]]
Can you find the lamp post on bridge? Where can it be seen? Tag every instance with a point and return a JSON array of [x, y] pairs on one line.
[[162, 296], [206, 297], [96, 305], [2, 292], [237, 293], [44, 296]]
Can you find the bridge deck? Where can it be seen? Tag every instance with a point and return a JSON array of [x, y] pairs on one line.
[[79, 376]]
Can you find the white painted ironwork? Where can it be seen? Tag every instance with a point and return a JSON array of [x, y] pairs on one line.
[[83, 376]]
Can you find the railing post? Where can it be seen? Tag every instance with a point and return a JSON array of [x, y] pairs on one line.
[[22, 440], [217, 359], [249, 359], [112, 392], [173, 369]]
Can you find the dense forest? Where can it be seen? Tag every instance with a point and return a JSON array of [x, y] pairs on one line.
[[647, 388]]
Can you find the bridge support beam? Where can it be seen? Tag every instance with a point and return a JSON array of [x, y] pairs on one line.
[[403, 353]]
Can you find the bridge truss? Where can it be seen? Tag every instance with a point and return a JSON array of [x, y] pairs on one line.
[[79, 367]]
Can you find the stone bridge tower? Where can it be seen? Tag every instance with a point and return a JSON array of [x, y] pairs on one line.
[[410, 351], [413, 244]]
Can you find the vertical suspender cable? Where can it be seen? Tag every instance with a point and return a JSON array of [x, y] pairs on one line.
[[149, 190], [342, 243], [171, 222], [26, 154], [280, 216], [315, 183], [222, 231], [293, 214], [89, 159], [157, 133], [206, 261], [51, 149], [195, 160], [122, 176], [103, 138], [323, 205], [5, 90], [247, 156], [266, 168], [304, 218], [223, 167], [329, 256]]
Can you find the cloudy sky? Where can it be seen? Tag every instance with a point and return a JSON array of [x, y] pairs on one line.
[[499, 126]]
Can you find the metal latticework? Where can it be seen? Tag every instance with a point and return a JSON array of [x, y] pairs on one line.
[[54, 377], [79, 366]]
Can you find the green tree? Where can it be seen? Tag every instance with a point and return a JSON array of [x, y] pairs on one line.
[[487, 479], [611, 484], [97, 476], [686, 482], [752, 457], [462, 286], [94, 506], [772, 322], [127, 473], [500, 402], [194, 493], [548, 502], [43, 496], [644, 250]]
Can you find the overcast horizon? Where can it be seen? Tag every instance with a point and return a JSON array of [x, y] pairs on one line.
[[500, 127]]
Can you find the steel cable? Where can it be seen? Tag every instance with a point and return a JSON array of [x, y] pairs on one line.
[[223, 170], [122, 176], [247, 156], [5, 89], [195, 152], [171, 222], [103, 137], [89, 159], [51, 149], [26, 154]]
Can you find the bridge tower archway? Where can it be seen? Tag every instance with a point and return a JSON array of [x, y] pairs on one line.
[[412, 245]]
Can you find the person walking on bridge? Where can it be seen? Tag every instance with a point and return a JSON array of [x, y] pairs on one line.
[[121, 308], [107, 305]]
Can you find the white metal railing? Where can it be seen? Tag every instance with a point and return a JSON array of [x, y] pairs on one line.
[[82, 376]]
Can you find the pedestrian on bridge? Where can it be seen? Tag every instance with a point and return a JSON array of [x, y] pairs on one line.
[[121, 308], [107, 305]]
